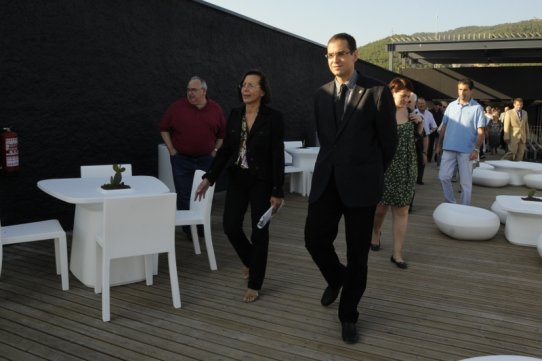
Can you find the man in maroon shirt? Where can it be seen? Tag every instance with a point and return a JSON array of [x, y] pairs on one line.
[[193, 129]]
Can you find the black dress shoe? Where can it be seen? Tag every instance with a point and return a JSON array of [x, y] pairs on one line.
[[330, 295], [350, 332], [420, 183], [400, 264]]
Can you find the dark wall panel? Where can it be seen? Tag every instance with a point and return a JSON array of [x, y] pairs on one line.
[[86, 82]]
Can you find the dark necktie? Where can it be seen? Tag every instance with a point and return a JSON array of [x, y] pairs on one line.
[[519, 115], [339, 106]]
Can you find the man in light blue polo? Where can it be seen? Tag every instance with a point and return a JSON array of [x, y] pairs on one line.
[[462, 133]]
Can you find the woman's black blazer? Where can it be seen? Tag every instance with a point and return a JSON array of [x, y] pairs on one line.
[[265, 148]]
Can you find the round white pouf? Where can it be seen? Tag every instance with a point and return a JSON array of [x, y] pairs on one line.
[[483, 165], [489, 178], [533, 180], [499, 211], [466, 222], [539, 245]]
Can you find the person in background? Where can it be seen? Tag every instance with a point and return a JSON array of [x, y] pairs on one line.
[[460, 139], [494, 128], [437, 112], [422, 143], [253, 156], [516, 130], [430, 127], [400, 177], [355, 123], [504, 146], [193, 130]]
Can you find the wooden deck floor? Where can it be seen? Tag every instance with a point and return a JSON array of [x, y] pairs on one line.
[[458, 299]]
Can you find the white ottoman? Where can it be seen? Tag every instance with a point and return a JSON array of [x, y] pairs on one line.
[[489, 178], [466, 222], [539, 245], [483, 165], [533, 181], [499, 211]]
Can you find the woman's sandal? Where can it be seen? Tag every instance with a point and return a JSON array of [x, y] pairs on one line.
[[250, 296]]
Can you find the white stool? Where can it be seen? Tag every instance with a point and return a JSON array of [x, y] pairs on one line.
[[499, 211], [483, 165], [539, 245], [465, 222], [489, 178], [533, 181]]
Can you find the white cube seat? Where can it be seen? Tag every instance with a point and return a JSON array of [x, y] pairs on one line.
[[490, 178], [466, 222], [499, 211], [533, 181]]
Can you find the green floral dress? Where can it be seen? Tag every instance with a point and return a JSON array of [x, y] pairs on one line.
[[400, 177]]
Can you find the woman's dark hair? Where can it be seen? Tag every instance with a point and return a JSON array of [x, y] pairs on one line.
[[398, 84], [264, 85]]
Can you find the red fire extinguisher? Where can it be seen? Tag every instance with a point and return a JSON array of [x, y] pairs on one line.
[[10, 151]]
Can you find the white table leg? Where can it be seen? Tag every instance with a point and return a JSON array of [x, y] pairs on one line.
[[522, 229], [87, 222]]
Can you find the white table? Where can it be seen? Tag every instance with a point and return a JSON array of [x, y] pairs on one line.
[[304, 158], [516, 170], [88, 197], [524, 221]]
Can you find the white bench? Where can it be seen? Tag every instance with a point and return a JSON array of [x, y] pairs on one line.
[[524, 222], [466, 222]]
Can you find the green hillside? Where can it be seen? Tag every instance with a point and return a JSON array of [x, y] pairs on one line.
[[377, 54]]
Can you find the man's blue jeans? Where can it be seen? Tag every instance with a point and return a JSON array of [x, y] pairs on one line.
[[183, 168]]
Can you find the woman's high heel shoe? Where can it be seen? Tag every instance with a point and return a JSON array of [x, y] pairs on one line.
[[376, 247]]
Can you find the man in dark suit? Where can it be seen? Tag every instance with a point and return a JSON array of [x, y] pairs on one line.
[[357, 131]]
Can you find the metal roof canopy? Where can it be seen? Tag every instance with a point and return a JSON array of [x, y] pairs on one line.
[[488, 51]]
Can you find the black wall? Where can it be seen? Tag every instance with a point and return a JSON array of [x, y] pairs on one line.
[[86, 82]]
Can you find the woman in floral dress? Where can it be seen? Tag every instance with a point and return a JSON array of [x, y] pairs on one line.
[[400, 177]]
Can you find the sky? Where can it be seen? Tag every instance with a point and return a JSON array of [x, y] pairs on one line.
[[370, 21]]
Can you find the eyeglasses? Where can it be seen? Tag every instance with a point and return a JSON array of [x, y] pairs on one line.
[[338, 54], [248, 86], [192, 90]]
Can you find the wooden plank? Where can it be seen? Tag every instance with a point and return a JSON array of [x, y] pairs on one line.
[[458, 299]]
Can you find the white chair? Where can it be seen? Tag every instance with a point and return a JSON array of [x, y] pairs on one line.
[[105, 170], [290, 144], [39, 231], [290, 169], [165, 173], [136, 226], [199, 213]]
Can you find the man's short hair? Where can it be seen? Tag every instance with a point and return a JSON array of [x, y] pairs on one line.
[[467, 82], [349, 39], [203, 82]]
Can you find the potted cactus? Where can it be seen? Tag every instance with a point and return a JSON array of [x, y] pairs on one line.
[[116, 179], [531, 197]]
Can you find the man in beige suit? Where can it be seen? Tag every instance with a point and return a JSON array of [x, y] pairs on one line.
[[516, 129]]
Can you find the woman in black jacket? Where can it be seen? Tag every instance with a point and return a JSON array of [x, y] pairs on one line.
[[253, 154]]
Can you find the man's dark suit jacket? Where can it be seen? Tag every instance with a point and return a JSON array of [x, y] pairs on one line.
[[360, 148], [265, 148]]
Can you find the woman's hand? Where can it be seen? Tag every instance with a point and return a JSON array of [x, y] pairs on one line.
[[416, 118], [276, 203], [202, 189]]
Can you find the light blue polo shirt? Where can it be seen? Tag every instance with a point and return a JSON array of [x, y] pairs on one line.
[[462, 123]]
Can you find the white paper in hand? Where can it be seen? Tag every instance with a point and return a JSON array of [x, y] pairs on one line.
[[266, 217]]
